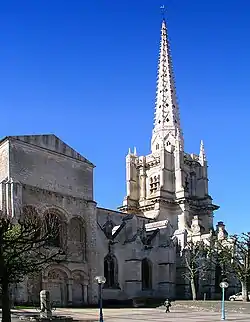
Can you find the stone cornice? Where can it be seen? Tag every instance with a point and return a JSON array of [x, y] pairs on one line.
[[77, 200], [130, 209], [48, 151]]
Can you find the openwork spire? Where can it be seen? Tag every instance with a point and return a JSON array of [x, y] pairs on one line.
[[167, 118]]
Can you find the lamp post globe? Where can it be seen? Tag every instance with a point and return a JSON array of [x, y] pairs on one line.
[[223, 286], [100, 280]]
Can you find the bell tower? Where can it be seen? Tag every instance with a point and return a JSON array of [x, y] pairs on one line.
[[169, 184]]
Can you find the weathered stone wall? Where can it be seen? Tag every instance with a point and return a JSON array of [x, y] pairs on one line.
[[50, 181], [79, 260], [130, 251], [49, 170]]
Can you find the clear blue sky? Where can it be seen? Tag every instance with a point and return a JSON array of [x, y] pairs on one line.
[[86, 71]]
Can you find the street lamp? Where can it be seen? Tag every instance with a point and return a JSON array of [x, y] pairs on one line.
[[100, 280], [223, 285]]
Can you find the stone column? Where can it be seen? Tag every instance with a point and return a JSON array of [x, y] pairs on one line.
[[85, 293], [45, 303], [92, 251], [17, 198], [69, 289], [45, 282], [3, 196]]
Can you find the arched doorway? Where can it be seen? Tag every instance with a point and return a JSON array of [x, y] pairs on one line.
[[78, 289], [57, 285], [146, 274]]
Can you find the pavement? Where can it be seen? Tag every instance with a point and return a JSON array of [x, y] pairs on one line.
[[177, 314]]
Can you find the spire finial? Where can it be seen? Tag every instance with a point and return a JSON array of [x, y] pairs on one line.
[[167, 116], [163, 11]]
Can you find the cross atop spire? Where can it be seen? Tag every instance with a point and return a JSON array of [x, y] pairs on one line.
[[167, 118], [163, 11]]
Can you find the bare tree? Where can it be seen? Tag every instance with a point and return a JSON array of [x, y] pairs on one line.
[[25, 247], [235, 254], [196, 264]]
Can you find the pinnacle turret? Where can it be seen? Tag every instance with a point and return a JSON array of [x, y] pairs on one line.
[[167, 118], [202, 154]]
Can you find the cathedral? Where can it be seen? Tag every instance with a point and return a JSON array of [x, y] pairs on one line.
[[137, 247]]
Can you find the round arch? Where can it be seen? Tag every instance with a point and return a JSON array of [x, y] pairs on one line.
[[44, 209], [57, 284], [81, 273], [79, 287], [60, 221], [56, 267]]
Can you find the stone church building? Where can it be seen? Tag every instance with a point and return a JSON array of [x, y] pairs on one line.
[[136, 248]]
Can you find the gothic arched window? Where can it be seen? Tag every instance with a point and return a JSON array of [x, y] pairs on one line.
[[146, 274], [111, 271]]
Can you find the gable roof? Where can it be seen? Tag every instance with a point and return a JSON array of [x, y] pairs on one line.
[[50, 142]]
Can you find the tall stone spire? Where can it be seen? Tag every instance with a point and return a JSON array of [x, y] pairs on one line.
[[167, 118]]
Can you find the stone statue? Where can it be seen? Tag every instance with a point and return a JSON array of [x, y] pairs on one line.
[[45, 304]]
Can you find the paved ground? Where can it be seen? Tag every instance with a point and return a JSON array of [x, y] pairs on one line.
[[152, 315]]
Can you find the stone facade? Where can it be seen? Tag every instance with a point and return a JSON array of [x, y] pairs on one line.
[[136, 254], [44, 173]]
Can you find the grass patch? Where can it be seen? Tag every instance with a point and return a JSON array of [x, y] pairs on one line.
[[23, 307]]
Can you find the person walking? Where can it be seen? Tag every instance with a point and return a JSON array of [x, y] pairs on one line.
[[167, 305]]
